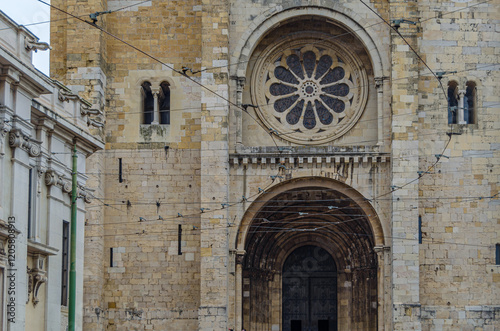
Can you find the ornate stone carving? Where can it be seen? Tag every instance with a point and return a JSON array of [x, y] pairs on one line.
[[66, 186], [310, 92], [87, 197], [240, 84], [36, 277], [95, 123], [65, 94], [18, 139], [240, 257], [53, 178], [86, 110], [33, 45], [5, 128]]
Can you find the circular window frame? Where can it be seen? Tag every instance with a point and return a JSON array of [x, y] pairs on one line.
[[262, 74]]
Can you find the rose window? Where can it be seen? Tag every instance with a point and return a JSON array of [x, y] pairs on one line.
[[310, 93], [309, 89]]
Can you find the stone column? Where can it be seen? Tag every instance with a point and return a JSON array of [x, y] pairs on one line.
[[382, 257], [240, 81], [240, 256], [405, 165], [379, 85], [461, 107], [214, 251], [156, 111]]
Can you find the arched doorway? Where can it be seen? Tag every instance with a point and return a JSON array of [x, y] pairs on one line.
[[334, 219], [309, 290]]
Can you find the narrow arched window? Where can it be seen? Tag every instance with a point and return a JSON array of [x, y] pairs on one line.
[[452, 102], [470, 109], [148, 103], [164, 103]]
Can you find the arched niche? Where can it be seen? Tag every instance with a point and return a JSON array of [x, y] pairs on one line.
[[340, 15], [340, 119]]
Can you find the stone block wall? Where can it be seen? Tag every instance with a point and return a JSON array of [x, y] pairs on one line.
[[459, 222], [447, 281], [154, 278]]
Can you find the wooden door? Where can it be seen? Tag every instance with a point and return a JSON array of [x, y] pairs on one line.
[[309, 291]]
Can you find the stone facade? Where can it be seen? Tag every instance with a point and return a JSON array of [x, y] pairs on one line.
[[291, 124]]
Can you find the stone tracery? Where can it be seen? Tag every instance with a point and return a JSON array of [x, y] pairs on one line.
[[309, 91], [311, 85]]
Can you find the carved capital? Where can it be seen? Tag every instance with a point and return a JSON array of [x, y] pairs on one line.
[[155, 91], [240, 257], [86, 196], [18, 139], [379, 82], [240, 83], [53, 178], [380, 250], [66, 186], [15, 139]]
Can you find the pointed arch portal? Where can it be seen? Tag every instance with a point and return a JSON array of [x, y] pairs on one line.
[[310, 262]]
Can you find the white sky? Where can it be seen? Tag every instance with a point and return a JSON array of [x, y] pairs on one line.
[[27, 12]]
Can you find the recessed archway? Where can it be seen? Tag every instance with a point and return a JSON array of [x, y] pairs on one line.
[[316, 212]]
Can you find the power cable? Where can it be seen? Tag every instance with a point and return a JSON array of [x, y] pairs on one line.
[[228, 101], [342, 35], [159, 61], [113, 113], [409, 45], [86, 15]]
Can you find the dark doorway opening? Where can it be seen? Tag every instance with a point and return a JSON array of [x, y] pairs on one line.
[[309, 290], [296, 325]]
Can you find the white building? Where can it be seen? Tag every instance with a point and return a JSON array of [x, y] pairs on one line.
[[40, 121]]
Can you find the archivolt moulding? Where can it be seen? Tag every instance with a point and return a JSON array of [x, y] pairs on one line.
[[340, 14]]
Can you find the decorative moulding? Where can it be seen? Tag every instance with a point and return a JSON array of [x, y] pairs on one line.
[[52, 178], [36, 277], [18, 139]]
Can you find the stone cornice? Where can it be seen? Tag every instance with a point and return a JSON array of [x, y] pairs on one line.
[[300, 159]]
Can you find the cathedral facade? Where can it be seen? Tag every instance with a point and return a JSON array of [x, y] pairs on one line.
[[288, 164]]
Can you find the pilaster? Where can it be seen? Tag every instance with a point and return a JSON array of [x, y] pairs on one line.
[[213, 310], [405, 247]]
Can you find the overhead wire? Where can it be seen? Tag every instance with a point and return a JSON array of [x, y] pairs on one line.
[[117, 113], [83, 15], [227, 100], [352, 32], [333, 206], [218, 95]]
